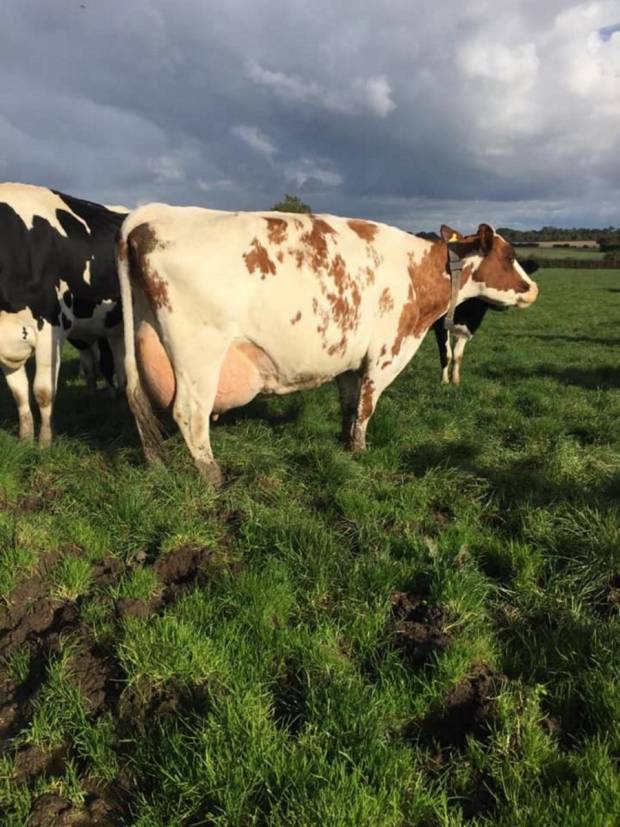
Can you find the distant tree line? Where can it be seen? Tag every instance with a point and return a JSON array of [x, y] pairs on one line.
[[610, 261], [606, 236]]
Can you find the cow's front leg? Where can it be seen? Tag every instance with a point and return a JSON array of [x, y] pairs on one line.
[[457, 358], [117, 346], [88, 365], [445, 351], [49, 346], [17, 380]]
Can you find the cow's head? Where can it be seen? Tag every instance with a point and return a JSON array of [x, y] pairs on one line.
[[496, 275]]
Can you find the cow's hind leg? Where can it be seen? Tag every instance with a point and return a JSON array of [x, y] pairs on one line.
[[349, 389], [196, 388], [372, 385], [17, 380]]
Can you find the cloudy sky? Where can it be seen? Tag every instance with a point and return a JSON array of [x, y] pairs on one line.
[[409, 112]]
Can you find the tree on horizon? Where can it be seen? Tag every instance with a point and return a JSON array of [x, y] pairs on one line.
[[291, 203]]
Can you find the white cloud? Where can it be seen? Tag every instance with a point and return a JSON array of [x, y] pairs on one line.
[[500, 62], [255, 138], [370, 95], [166, 169], [306, 170], [223, 184], [379, 96]]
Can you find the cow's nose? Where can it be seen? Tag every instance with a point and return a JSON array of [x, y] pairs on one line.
[[525, 299]]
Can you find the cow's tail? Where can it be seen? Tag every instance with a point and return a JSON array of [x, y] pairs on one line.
[[149, 427]]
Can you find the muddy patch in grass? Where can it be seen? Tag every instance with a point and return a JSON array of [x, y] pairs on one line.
[[417, 627], [178, 572], [184, 567], [35, 627], [609, 604], [141, 706], [468, 710], [96, 675], [102, 807], [32, 762]]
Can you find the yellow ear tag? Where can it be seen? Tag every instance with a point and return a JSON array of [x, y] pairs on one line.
[[454, 238]]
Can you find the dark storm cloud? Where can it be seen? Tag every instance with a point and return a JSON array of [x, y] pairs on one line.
[[402, 112]]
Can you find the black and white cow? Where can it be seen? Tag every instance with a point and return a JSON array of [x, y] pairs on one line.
[[468, 317], [96, 359], [57, 281]]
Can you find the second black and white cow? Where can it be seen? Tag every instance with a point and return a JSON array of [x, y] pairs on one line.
[[57, 281]]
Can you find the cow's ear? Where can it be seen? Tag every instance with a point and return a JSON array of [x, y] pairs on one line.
[[486, 236], [448, 234]]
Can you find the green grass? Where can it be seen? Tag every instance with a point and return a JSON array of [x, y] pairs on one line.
[[273, 692], [524, 251]]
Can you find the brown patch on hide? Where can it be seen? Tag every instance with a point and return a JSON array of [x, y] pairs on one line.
[[406, 322], [386, 302], [367, 399], [258, 259], [315, 242], [366, 230], [276, 230], [143, 241]]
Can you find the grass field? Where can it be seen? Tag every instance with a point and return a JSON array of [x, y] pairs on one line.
[[559, 252], [428, 634]]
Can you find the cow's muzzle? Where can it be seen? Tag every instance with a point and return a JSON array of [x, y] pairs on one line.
[[529, 297]]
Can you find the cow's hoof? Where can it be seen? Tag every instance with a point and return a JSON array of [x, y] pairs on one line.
[[45, 440], [152, 456], [211, 472]]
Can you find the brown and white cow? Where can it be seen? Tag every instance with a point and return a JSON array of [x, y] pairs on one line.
[[230, 305]]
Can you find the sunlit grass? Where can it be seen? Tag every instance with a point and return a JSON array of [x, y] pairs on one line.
[[273, 692]]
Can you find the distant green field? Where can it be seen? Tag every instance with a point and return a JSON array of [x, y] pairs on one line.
[[428, 634], [558, 252]]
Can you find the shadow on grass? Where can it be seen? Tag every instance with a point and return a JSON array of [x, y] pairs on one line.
[[611, 341], [106, 423], [266, 410], [605, 377], [520, 481], [93, 418], [558, 643]]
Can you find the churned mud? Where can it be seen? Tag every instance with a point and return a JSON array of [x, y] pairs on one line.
[[418, 627], [32, 618], [468, 710], [102, 807]]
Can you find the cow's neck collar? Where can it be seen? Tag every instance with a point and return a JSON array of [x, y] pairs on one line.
[[454, 265]]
